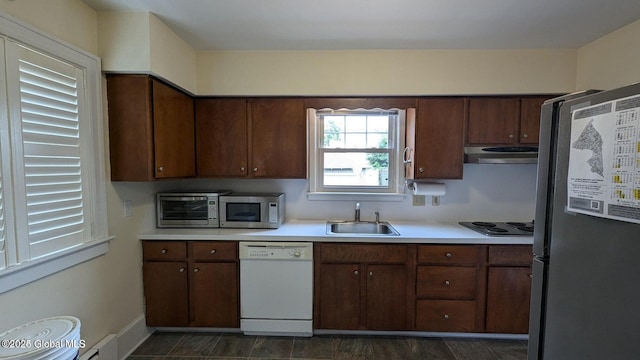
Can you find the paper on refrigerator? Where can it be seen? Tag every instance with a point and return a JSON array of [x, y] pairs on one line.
[[604, 160]]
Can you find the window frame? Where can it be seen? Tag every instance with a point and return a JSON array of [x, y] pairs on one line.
[[18, 272], [317, 191]]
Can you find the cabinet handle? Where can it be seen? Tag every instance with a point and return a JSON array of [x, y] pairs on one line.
[[370, 273], [446, 316], [447, 282], [421, 169], [531, 276], [213, 251], [163, 251], [196, 270], [160, 168], [448, 255], [181, 270], [511, 136], [242, 168], [356, 272], [255, 169], [526, 136]]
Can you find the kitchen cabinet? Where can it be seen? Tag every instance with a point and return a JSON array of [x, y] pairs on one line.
[[257, 138], [435, 139], [191, 283], [504, 120], [221, 137], [364, 286], [151, 129], [450, 288], [509, 289]]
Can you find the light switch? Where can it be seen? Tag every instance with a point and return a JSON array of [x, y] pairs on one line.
[[418, 200]]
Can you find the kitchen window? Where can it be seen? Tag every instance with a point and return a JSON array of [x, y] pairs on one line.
[[355, 152], [52, 187]]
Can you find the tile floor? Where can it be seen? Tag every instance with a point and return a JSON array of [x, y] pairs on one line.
[[235, 346]]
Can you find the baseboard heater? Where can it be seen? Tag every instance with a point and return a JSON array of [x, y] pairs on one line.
[[106, 349]]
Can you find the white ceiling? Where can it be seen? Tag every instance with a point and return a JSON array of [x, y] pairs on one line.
[[385, 24]]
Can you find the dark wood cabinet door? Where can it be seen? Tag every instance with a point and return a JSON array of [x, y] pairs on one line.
[[214, 294], [221, 137], [278, 138], [130, 128], [174, 134], [530, 119], [508, 297], [166, 293], [386, 297], [439, 139], [340, 296], [493, 121]]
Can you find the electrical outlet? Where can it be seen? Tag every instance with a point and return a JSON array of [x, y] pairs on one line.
[[127, 207], [418, 200]]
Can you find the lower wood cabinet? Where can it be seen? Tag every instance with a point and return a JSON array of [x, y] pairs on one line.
[[191, 283], [450, 288], [360, 286], [509, 289]]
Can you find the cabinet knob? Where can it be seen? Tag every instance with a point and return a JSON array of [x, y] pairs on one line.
[[356, 272], [255, 169], [531, 276], [196, 270], [447, 282], [213, 251], [163, 251], [511, 136], [448, 255], [526, 136], [421, 169], [370, 273], [446, 316], [160, 168], [181, 270], [242, 168]]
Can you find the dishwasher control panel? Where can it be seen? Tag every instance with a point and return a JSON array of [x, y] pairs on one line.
[[275, 251]]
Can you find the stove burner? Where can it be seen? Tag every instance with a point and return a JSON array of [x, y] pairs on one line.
[[525, 228], [497, 230], [484, 224], [516, 224]]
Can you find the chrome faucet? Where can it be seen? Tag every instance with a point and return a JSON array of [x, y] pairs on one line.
[[357, 218], [377, 217]]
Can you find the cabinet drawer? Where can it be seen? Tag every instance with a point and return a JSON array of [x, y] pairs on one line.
[[364, 253], [164, 250], [214, 250], [446, 282], [511, 255], [449, 254], [445, 315]]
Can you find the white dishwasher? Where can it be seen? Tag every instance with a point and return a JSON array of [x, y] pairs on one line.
[[276, 288]]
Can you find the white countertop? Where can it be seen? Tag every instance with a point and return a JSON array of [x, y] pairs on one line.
[[315, 231]]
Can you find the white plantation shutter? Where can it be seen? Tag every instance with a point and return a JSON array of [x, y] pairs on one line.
[[3, 236], [49, 173]]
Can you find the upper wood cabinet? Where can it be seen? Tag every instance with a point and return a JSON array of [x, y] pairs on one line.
[[151, 129], [221, 137], [434, 139], [504, 120], [259, 138]]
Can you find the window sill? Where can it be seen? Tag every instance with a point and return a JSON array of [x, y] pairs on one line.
[[18, 275], [328, 196]]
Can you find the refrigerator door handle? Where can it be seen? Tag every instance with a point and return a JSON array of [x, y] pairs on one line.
[[537, 311]]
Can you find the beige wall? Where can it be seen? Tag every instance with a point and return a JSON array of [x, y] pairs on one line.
[[611, 61], [61, 18], [385, 72], [138, 42]]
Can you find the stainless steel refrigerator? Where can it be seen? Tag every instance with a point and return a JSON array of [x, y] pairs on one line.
[[586, 271]]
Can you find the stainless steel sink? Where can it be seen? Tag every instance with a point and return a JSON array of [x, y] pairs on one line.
[[361, 228]]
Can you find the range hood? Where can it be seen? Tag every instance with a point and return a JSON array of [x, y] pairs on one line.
[[501, 155]]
